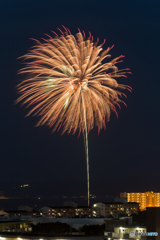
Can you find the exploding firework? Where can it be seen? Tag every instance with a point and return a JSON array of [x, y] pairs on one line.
[[69, 87]]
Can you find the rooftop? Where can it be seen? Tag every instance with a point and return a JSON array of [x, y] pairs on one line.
[[19, 211], [115, 203], [60, 207], [15, 221], [83, 207]]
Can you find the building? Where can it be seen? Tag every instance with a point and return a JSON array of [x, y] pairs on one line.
[[19, 213], [147, 199], [65, 211], [114, 208], [123, 232], [57, 212], [111, 223], [81, 211], [153, 221], [15, 226]]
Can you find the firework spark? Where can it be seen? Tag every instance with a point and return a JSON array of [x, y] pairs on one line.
[[68, 86]]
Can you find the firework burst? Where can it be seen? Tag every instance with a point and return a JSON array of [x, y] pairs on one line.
[[68, 86]]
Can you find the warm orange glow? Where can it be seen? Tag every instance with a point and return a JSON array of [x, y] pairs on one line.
[[147, 199]]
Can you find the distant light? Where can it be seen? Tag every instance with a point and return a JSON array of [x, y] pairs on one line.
[[25, 185], [19, 238]]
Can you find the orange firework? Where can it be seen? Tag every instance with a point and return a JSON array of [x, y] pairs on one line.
[[65, 71], [68, 85]]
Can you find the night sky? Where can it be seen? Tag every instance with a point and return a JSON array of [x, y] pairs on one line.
[[125, 157]]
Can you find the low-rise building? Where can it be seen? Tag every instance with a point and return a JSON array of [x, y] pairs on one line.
[[65, 211], [114, 208], [56, 212], [19, 213], [15, 226], [111, 223], [81, 211], [124, 232]]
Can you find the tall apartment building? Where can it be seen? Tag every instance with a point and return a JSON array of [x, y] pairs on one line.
[[147, 199]]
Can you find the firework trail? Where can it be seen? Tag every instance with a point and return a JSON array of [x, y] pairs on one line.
[[69, 87]]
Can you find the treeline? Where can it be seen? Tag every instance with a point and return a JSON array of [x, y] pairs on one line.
[[63, 228], [93, 229]]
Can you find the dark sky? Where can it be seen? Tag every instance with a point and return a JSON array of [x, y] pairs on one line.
[[129, 150]]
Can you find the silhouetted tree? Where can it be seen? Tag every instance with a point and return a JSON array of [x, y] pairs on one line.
[[93, 229], [57, 228]]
